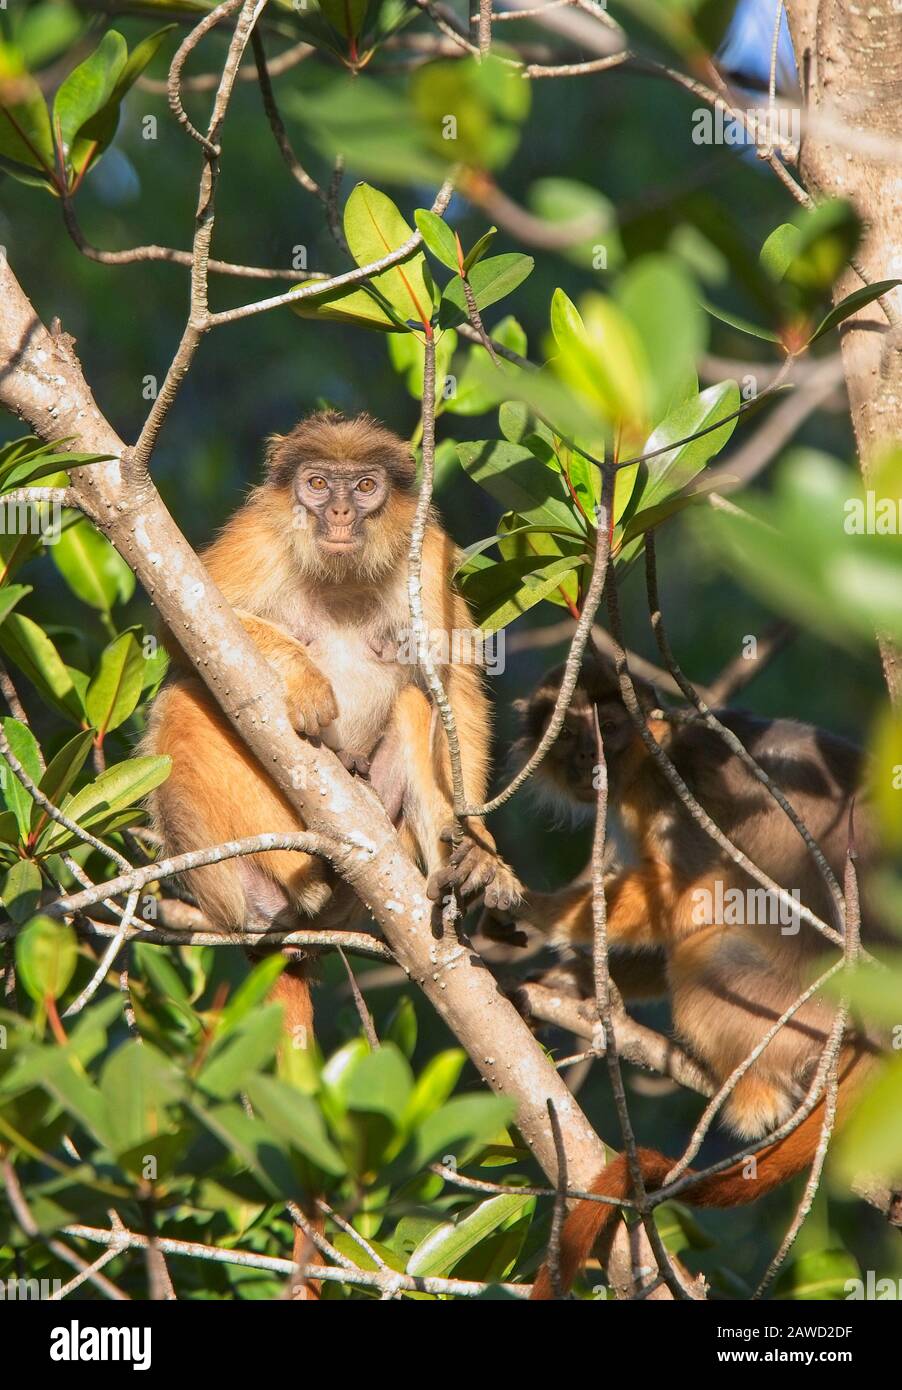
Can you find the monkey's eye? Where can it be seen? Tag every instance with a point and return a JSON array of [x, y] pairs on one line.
[[366, 485], [317, 484]]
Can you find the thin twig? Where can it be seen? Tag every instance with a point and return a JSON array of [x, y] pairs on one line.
[[688, 800], [736, 747]]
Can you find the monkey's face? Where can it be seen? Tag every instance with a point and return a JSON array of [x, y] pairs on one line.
[[571, 766], [339, 500]]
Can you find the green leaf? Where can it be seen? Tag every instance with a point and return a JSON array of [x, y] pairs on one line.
[[374, 227], [92, 568], [490, 281], [252, 992], [488, 101], [29, 648], [779, 250], [740, 324], [851, 304], [502, 592], [408, 356], [446, 1246], [661, 302], [437, 237], [519, 481], [21, 889], [243, 1051], [381, 1083], [115, 687], [670, 472], [347, 16], [478, 249], [140, 1086], [588, 215], [818, 1275], [88, 88], [297, 1119], [24, 745], [434, 1085], [814, 559], [46, 953], [828, 235], [601, 357], [98, 131], [401, 1028], [350, 305], [471, 396], [101, 801], [26, 141], [871, 1140], [647, 517]]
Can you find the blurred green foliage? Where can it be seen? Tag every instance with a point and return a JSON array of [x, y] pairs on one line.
[[643, 266]]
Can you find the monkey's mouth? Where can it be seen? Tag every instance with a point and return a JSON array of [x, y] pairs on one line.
[[340, 539]]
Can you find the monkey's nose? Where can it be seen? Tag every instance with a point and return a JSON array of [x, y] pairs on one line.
[[341, 514]]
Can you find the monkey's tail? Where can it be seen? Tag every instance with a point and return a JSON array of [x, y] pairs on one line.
[[594, 1224], [292, 990]]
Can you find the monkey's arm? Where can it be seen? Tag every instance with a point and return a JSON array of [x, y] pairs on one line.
[[639, 904], [309, 695]]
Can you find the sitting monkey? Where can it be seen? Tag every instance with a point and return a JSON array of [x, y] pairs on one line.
[[734, 959], [315, 563]]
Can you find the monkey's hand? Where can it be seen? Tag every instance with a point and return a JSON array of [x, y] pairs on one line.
[[502, 928], [475, 869], [311, 700]]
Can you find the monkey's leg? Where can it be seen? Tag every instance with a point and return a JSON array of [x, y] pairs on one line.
[[427, 808], [217, 792], [639, 902]]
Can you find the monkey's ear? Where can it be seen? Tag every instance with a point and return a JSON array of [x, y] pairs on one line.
[[521, 706], [273, 445]]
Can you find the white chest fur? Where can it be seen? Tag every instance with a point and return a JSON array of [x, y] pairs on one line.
[[353, 641]]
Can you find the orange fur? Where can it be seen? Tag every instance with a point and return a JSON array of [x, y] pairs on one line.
[[728, 980], [592, 1225]]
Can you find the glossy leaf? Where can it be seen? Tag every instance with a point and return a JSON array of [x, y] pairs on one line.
[[24, 747], [92, 568], [490, 280], [374, 227], [46, 953], [297, 1119], [31, 650], [446, 1246], [116, 789], [858, 299], [478, 249], [503, 592], [21, 889], [437, 237], [26, 141], [518, 481], [88, 88], [115, 687]]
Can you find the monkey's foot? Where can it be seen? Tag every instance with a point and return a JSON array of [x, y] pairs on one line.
[[475, 870], [356, 763]]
